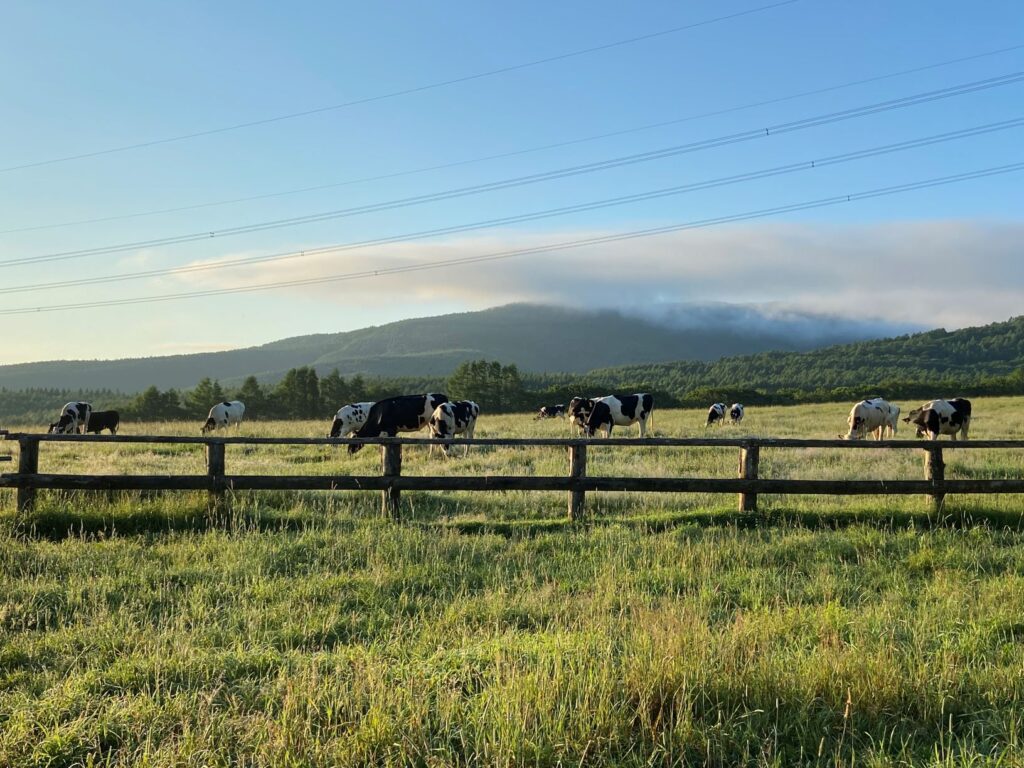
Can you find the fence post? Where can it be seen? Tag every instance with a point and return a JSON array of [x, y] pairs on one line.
[[28, 464], [215, 470], [750, 456], [391, 466], [577, 471], [935, 473]]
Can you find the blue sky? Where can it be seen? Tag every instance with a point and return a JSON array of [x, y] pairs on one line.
[[86, 78]]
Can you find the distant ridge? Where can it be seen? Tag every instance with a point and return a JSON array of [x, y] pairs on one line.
[[963, 357], [537, 338]]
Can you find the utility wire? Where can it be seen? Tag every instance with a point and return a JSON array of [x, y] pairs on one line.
[[720, 141], [519, 218], [514, 153], [549, 248], [405, 91]]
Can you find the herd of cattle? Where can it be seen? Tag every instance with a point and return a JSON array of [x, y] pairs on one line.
[[587, 416]]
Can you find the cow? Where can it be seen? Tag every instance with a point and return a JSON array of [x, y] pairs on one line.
[[453, 418], [406, 413], [74, 417], [579, 411], [349, 418], [736, 412], [870, 416], [100, 420], [224, 415], [942, 417], [620, 410], [716, 415], [550, 411]]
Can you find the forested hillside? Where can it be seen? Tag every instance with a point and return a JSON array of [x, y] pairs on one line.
[[532, 337]]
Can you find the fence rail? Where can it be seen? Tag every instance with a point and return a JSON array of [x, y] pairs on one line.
[[576, 483]]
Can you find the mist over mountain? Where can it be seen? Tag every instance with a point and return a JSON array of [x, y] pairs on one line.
[[537, 338]]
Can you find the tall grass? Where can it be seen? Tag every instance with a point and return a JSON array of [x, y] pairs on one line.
[[488, 631]]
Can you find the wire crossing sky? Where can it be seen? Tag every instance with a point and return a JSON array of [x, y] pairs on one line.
[[424, 135]]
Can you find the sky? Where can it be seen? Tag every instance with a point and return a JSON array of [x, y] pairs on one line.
[[135, 138]]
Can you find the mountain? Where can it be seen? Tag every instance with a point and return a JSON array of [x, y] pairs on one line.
[[965, 358], [535, 337]]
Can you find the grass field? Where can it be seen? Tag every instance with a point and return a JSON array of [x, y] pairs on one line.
[[486, 630]]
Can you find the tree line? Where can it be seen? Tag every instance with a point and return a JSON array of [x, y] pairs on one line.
[[303, 394]]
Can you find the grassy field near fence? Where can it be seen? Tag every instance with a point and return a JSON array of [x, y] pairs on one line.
[[487, 630]]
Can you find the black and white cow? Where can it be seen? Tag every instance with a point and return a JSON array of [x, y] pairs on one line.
[[550, 411], [349, 418], [100, 420], [74, 417], [736, 412], [451, 419], [716, 414], [942, 417], [579, 412], [224, 415], [406, 413], [874, 416], [620, 411]]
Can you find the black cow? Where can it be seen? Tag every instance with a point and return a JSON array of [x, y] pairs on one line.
[[550, 411], [620, 410], [101, 420], [406, 413]]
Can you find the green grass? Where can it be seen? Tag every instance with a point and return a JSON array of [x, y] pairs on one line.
[[486, 630]]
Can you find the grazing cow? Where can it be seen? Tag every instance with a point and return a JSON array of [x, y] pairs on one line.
[[74, 417], [870, 416], [736, 412], [619, 410], [224, 415], [579, 412], [349, 418], [453, 418], [942, 417], [550, 411], [716, 415], [100, 420], [892, 419], [406, 413]]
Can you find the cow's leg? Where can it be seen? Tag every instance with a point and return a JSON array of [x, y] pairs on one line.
[[642, 422]]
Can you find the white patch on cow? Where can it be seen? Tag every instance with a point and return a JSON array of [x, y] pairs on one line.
[[349, 419], [224, 415]]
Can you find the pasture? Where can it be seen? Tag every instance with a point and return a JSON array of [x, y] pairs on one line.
[[487, 630]]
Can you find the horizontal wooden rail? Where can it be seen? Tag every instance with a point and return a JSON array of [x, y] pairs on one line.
[[500, 483], [512, 442]]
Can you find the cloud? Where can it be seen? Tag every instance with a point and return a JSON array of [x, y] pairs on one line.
[[918, 274]]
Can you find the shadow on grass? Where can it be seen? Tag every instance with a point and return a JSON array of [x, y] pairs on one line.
[[275, 512], [777, 518]]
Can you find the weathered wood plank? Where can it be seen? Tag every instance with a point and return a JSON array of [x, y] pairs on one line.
[[391, 470], [505, 483], [686, 442], [28, 464], [577, 471], [749, 459]]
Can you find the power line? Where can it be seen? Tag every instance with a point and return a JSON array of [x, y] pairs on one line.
[[548, 213], [405, 91], [720, 141], [549, 248], [518, 152]]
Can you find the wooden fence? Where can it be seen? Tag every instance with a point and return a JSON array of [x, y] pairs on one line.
[[576, 482]]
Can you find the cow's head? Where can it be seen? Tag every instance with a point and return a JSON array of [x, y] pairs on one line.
[[599, 418], [67, 424], [209, 426]]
